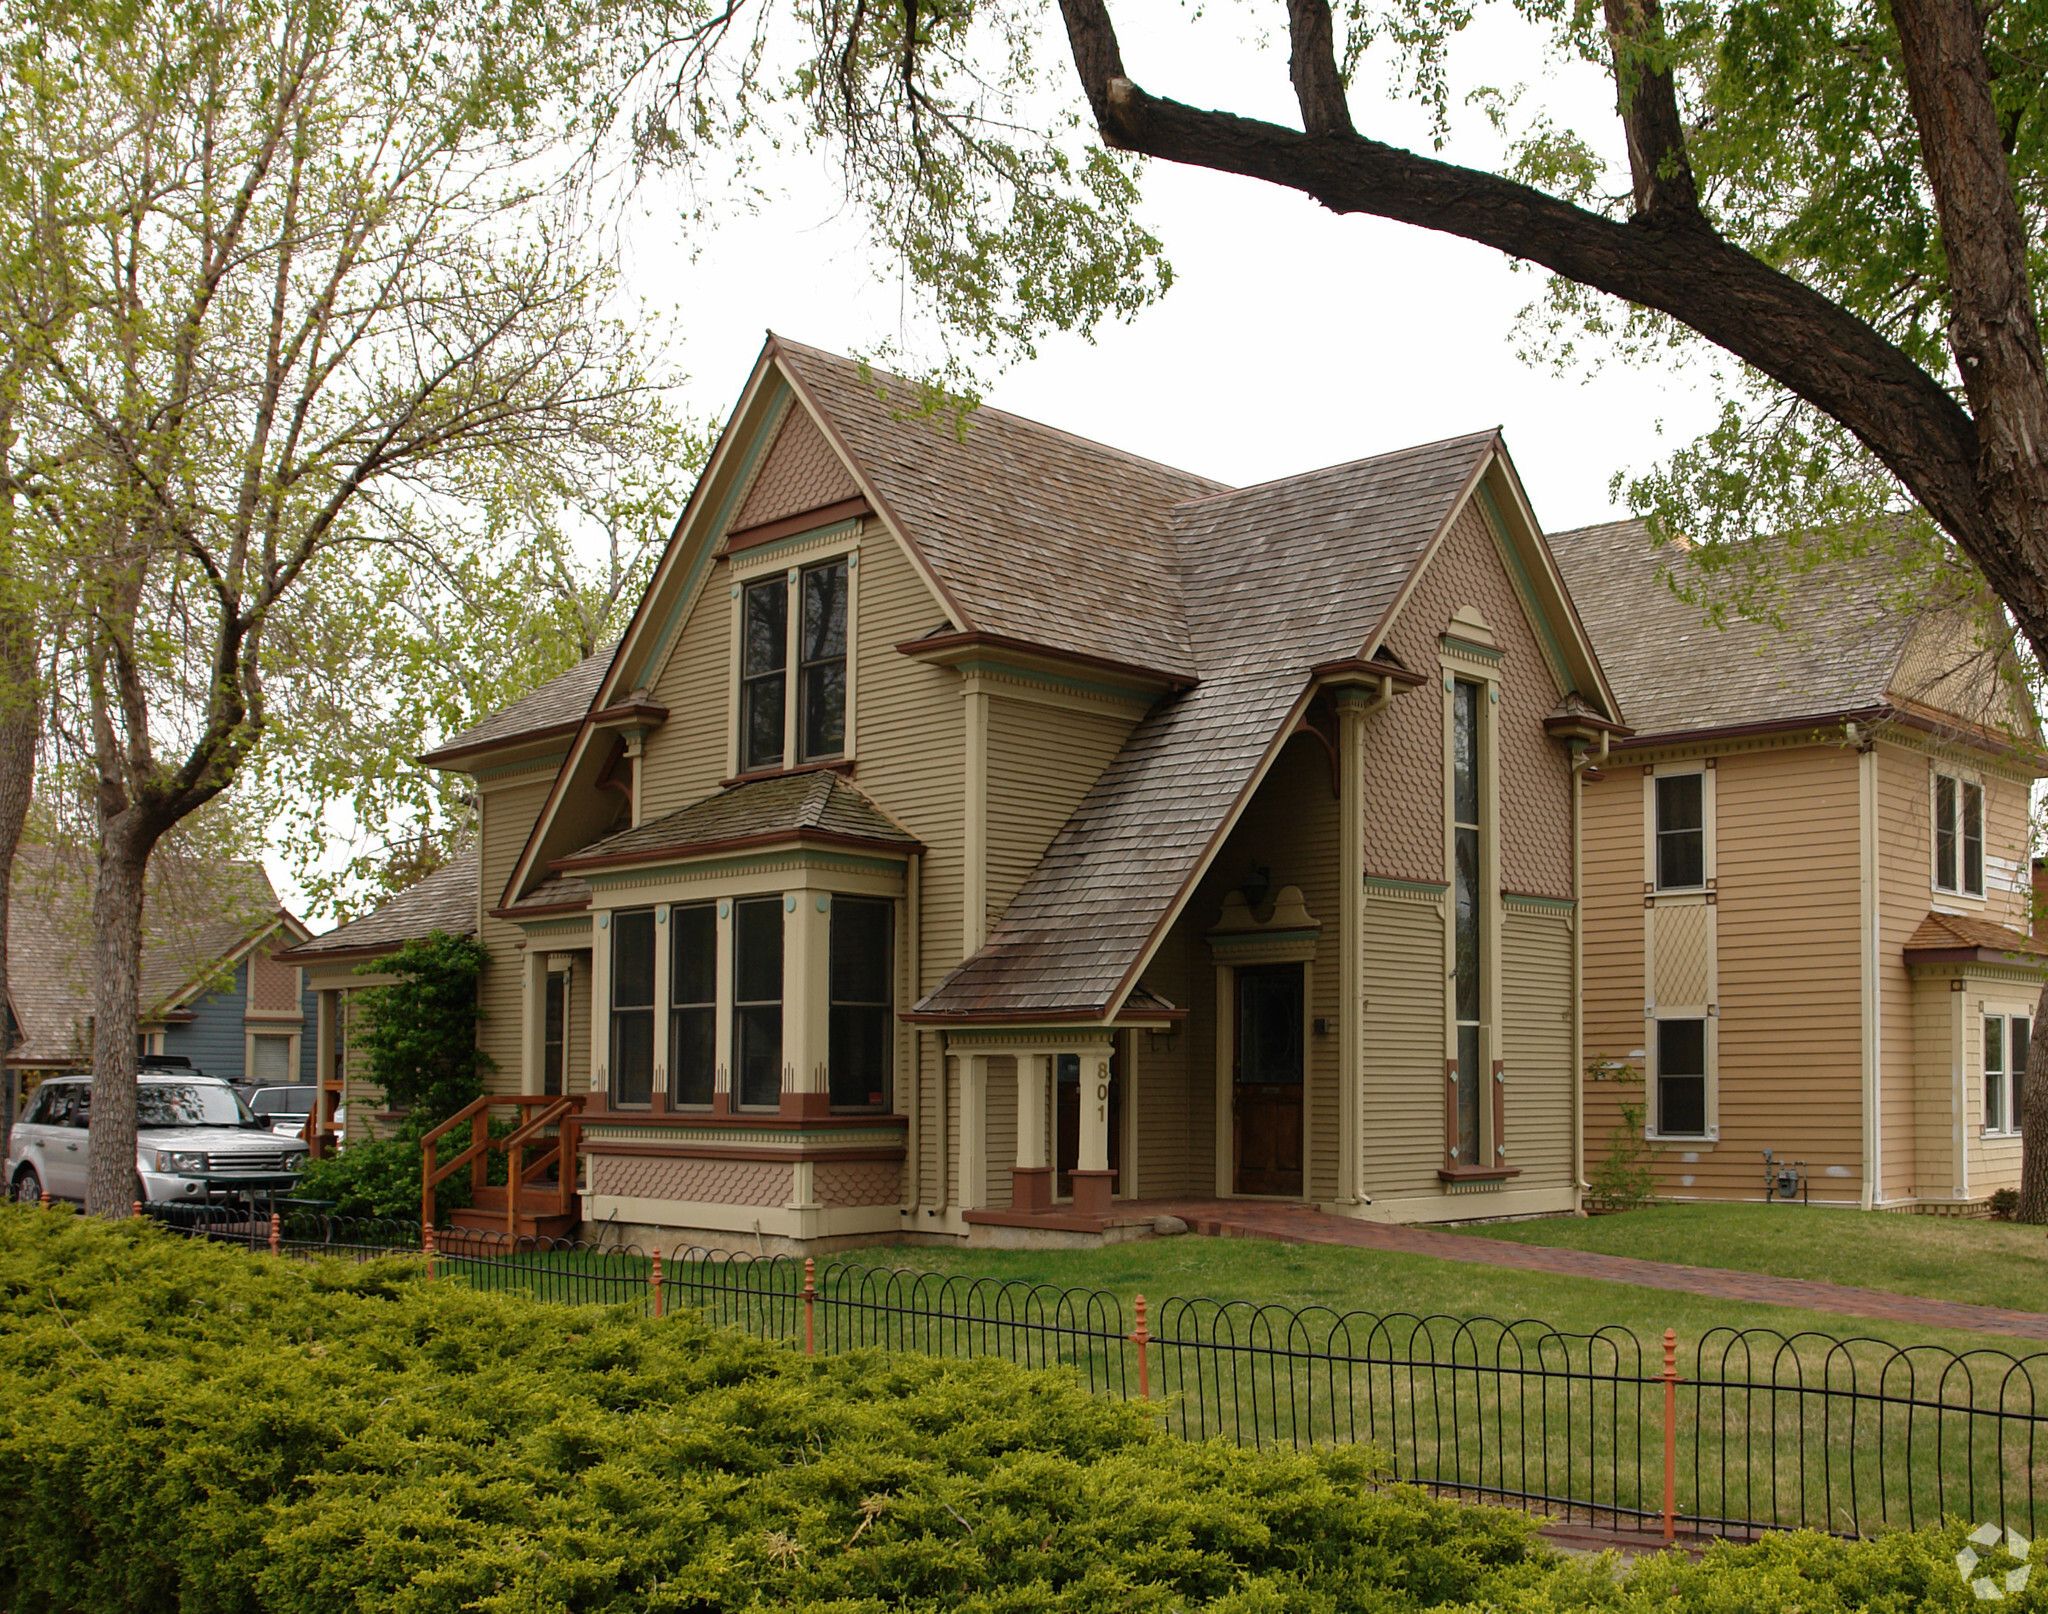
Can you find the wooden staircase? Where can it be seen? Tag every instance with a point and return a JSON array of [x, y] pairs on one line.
[[528, 1205]]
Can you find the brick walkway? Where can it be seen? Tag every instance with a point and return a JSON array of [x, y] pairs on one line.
[[1300, 1224]]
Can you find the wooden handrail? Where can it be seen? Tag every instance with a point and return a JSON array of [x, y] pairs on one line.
[[556, 1108]]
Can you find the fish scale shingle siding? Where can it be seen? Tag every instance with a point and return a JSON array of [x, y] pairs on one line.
[[801, 472]]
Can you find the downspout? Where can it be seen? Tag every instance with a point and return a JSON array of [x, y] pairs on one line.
[[1580, 1185], [1872, 922], [913, 971]]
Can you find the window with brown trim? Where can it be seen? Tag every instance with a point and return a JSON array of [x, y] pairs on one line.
[[633, 1008]]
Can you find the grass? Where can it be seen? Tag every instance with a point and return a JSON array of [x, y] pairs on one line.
[[1383, 1282], [1942, 1258]]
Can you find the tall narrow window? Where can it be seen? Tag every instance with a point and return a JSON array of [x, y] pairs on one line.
[[1994, 1073], [2016, 1071], [633, 1007], [1466, 795], [693, 1004], [764, 672], [1681, 831], [554, 1032], [1682, 1078], [821, 662], [757, 1001], [861, 1030], [1958, 835]]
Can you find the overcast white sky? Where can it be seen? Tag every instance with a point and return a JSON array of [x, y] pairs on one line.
[[1291, 339]]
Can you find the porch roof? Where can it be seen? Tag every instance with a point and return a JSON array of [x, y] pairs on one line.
[[445, 900], [815, 805], [1948, 938]]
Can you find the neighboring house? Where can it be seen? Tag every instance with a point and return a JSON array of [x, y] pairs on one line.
[[445, 900], [215, 987], [977, 830], [1807, 888]]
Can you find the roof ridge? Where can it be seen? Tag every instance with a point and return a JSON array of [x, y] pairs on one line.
[[787, 344], [1341, 465]]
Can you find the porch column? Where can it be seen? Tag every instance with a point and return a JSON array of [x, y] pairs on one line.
[[533, 1019], [600, 1009], [325, 1025], [1353, 707], [973, 1173], [806, 1003], [1094, 1181], [1031, 1177]]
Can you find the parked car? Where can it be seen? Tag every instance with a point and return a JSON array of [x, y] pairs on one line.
[[195, 1139], [284, 1109]]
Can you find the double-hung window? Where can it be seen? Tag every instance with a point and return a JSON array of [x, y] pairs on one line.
[[1682, 1078], [2005, 1069], [633, 1007], [861, 1032], [693, 1004], [757, 1001], [1681, 831], [1958, 835], [1467, 994], [814, 662]]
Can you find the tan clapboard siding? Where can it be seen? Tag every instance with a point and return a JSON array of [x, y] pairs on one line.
[[1174, 1102], [1934, 1010], [1000, 1134], [1788, 966], [1403, 1110], [1041, 761], [685, 758], [576, 1075], [1536, 1044], [505, 818]]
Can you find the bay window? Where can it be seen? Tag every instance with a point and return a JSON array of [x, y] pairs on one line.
[[757, 1002], [693, 1005], [632, 1008], [861, 1031]]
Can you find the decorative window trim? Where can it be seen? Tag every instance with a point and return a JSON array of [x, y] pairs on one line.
[[1458, 664], [249, 1035], [792, 565], [1652, 1118], [1709, 852], [1965, 780]]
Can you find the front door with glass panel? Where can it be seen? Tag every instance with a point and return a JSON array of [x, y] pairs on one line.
[[1267, 1090]]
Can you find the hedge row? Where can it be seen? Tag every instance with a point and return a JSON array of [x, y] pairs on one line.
[[189, 1428]]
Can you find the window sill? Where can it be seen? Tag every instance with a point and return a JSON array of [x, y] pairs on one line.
[[1477, 1173], [838, 765], [2010, 1136], [1692, 1140]]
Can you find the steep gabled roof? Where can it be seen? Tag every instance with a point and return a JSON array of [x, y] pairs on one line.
[[1281, 578], [1677, 673], [444, 900], [1031, 531], [558, 704]]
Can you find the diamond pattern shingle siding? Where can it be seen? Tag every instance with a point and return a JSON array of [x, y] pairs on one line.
[[1674, 672], [1278, 579], [800, 473]]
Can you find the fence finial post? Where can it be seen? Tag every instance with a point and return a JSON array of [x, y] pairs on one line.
[[427, 1245], [654, 1278], [43, 1202], [276, 1233], [1670, 1436], [810, 1303], [1141, 1338], [136, 1211]]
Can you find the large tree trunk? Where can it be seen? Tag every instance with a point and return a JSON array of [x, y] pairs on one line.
[[2033, 1205], [19, 721], [125, 844]]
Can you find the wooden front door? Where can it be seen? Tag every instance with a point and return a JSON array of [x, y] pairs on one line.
[[1266, 1094], [1067, 1115]]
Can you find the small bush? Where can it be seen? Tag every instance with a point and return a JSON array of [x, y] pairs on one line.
[[2005, 1204], [420, 1028]]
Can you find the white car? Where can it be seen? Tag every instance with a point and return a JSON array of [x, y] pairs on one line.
[[194, 1140], [285, 1109]]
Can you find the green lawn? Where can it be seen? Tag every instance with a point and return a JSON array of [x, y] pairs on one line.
[[1345, 1279], [1981, 1263]]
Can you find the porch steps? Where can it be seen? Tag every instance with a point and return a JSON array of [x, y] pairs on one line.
[[539, 1214]]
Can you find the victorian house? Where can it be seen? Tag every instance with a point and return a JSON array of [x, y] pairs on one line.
[[980, 832]]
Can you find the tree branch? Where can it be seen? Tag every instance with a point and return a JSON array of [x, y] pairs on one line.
[[1318, 86], [1648, 104]]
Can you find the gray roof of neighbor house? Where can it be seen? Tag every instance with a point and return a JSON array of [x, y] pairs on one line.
[[560, 703], [445, 900], [1280, 578], [197, 913], [1673, 671]]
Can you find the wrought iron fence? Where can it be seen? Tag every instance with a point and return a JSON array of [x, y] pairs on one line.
[[1754, 1430]]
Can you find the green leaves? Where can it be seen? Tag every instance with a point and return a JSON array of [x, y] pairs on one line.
[[420, 1029]]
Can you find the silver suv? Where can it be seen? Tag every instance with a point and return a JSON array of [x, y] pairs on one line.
[[194, 1140]]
